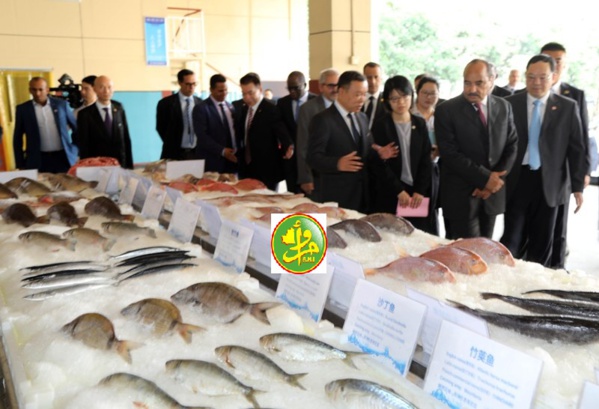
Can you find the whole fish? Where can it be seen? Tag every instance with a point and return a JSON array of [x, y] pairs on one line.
[[458, 260], [256, 363], [363, 394], [416, 269], [299, 347], [6, 193], [89, 237], [153, 257], [46, 240], [334, 240], [493, 252], [66, 279], [21, 214], [330, 211], [554, 307], [221, 302], [155, 268], [358, 228], [144, 393], [62, 196], [62, 291], [96, 331], [103, 206], [249, 184], [547, 327], [70, 182], [571, 295], [162, 315], [143, 251], [127, 229], [63, 266], [27, 186], [209, 379], [390, 222], [65, 213], [156, 166]]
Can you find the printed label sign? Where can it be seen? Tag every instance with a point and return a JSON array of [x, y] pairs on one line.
[[183, 221], [306, 294], [233, 245]]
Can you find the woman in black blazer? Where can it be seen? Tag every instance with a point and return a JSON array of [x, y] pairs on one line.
[[406, 178]]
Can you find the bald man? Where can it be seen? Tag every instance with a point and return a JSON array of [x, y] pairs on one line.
[[41, 138], [102, 127]]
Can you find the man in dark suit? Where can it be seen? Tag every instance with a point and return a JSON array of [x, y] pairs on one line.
[[266, 142], [289, 106], [373, 106], [213, 122], [497, 90], [551, 158], [327, 84], [558, 52], [102, 127], [173, 119], [42, 127], [339, 145], [477, 143]]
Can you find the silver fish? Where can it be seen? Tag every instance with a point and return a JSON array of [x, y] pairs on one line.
[[62, 291], [362, 394], [300, 347], [550, 328], [46, 240], [571, 295], [66, 279], [221, 302], [127, 229], [209, 379], [143, 251], [554, 307], [160, 268], [256, 363], [33, 271], [69, 182], [390, 222], [162, 315], [358, 228], [144, 393], [27, 186], [96, 331]]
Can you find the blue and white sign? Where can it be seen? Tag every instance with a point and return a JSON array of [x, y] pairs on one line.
[[306, 294], [183, 221], [233, 245], [155, 30]]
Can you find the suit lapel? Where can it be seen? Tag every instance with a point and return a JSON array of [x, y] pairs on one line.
[[551, 111], [343, 125]]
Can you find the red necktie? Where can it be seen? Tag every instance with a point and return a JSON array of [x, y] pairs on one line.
[[481, 114]]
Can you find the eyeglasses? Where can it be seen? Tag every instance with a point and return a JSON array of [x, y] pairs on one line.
[[542, 78], [330, 85], [395, 100], [429, 94]]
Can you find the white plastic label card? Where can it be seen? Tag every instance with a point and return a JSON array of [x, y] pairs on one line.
[[183, 220], [233, 245]]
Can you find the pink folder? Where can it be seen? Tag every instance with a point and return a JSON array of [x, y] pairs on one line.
[[420, 211]]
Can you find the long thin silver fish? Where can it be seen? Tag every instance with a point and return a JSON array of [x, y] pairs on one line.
[[572, 295], [143, 251], [256, 363], [545, 306], [57, 270], [158, 269], [362, 394], [63, 265], [66, 280], [547, 327], [62, 291]]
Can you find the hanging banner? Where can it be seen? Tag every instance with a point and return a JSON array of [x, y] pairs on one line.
[[155, 41]]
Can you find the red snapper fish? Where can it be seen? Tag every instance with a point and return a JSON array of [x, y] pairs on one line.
[[458, 260], [184, 187], [218, 187], [416, 269], [249, 184], [493, 252]]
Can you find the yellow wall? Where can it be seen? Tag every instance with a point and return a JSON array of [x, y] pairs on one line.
[[107, 37]]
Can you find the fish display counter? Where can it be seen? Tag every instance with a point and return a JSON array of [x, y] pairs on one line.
[[118, 313], [475, 276]]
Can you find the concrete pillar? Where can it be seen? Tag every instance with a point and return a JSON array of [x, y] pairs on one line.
[[340, 35]]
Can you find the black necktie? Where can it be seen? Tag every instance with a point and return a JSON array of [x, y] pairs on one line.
[[370, 107], [355, 133], [228, 142], [107, 121]]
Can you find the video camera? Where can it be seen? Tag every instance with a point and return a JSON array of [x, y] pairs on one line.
[[68, 91]]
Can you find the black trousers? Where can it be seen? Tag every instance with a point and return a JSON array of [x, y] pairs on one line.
[[558, 254], [54, 162], [478, 223], [529, 220]]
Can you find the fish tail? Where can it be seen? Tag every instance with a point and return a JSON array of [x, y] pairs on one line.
[[258, 310], [489, 296], [349, 358], [293, 380], [123, 348], [43, 220], [107, 245], [186, 330], [250, 396], [81, 221]]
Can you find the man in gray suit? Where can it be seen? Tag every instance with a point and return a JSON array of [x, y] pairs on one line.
[[551, 158], [477, 142], [338, 145], [327, 84]]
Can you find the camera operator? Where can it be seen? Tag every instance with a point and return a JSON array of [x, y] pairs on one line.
[[88, 95]]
